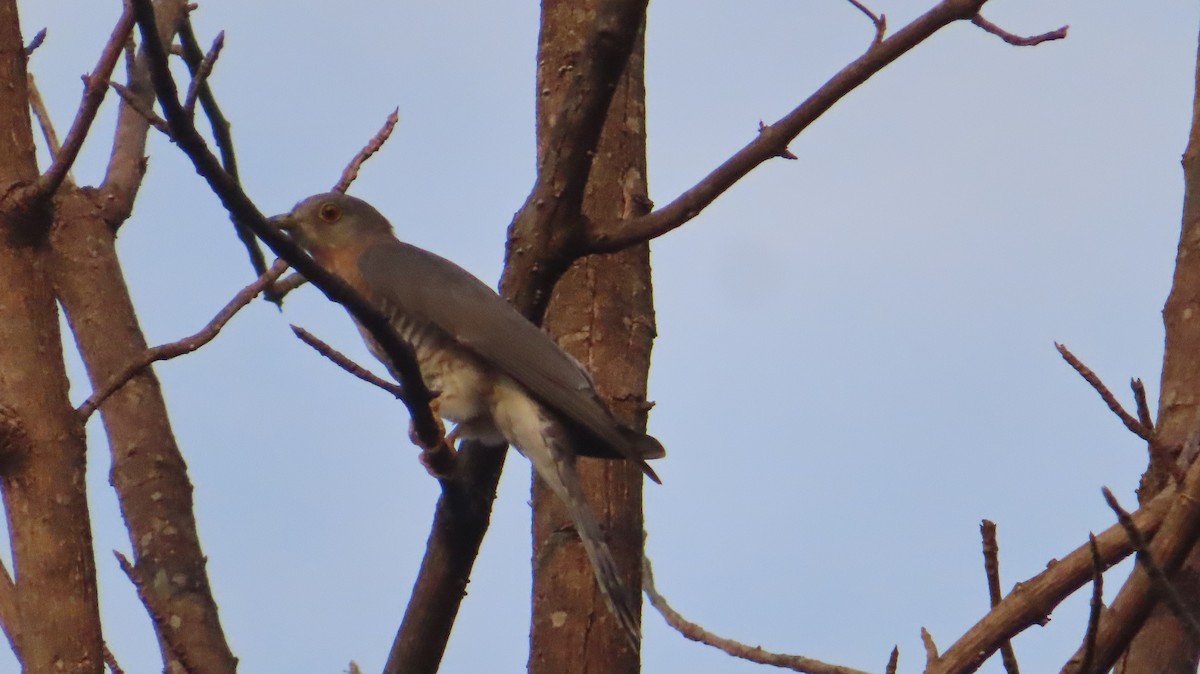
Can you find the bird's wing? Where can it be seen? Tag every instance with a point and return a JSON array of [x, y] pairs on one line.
[[433, 290]]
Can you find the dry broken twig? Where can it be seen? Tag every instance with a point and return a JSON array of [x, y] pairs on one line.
[[1143, 407], [991, 568], [202, 72], [185, 345], [372, 146], [796, 663], [1017, 40], [36, 42], [137, 106], [1097, 606], [38, 106], [1166, 589], [893, 661], [879, 20], [1131, 422], [345, 363]]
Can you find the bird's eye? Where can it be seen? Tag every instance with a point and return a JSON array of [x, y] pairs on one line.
[[330, 212]]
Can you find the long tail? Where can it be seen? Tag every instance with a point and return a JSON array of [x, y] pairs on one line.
[[603, 565]]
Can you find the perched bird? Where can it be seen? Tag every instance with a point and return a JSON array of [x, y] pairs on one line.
[[498, 377]]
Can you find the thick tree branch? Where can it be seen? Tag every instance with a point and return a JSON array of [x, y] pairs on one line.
[[183, 346], [242, 209], [1031, 602], [689, 629], [1131, 422], [613, 235], [1170, 545]]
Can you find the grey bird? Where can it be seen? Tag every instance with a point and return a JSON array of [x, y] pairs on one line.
[[499, 378]]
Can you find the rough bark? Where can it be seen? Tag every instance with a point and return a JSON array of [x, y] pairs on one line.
[[42, 451], [602, 312], [1163, 643], [148, 469]]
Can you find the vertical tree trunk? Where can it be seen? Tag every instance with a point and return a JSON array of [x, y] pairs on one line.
[[42, 450], [1163, 645], [602, 313]]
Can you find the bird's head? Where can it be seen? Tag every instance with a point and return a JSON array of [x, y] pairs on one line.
[[332, 222]]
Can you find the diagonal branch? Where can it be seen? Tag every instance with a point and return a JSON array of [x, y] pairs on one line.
[[1017, 40], [1131, 422], [188, 138], [1097, 607], [689, 629], [183, 346], [200, 76], [615, 235], [95, 87], [372, 146], [9, 618]]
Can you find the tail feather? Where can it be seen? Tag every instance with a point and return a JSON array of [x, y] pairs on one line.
[[608, 577]]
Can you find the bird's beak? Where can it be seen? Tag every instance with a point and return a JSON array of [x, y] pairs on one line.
[[285, 222]]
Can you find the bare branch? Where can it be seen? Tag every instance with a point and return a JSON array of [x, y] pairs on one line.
[[372, 146], [893, 661], [285, 285], [149, 115], [93, 95], [879, 20], [1143, 407], [796, 663], [1175, 538], [166, 632], [617, 234], [36, 42], [1017, 40], [1031, 601], [1097, 607], [183, 346], [9, 617], [242, 209], [345, 363], [111, 661], [931, 651], [991, 568], [202, 73], [44, 122], [1164, 586], [223, 135], [1109, 399]]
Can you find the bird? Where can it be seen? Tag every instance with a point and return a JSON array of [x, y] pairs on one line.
[[498, 377]]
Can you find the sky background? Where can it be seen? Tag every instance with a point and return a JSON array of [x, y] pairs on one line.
[[855, 361]]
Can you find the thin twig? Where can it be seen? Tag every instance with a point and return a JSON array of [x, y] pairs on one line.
[[893, 661], [137, 106], [202, 73], [346, 364], [1090, 377], [1097, 607], [285, 285], [223, 135], [183, 346], [991, 568], [93, 95], [1166, 589], [36, 42], [38, 106], [372, 146], [165, 630], [879, 20], [111, 661], [1017, 40], [1143, 407], [796, 663]]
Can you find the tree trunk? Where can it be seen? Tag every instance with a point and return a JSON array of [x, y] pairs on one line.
[[42, 450], [1163, 644], [602, 313]]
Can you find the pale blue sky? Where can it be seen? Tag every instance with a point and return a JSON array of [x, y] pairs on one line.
[[855, 360]]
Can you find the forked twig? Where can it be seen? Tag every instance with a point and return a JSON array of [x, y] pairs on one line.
[[183, 346], [879, 20], [1090, 377], [796, 663]]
